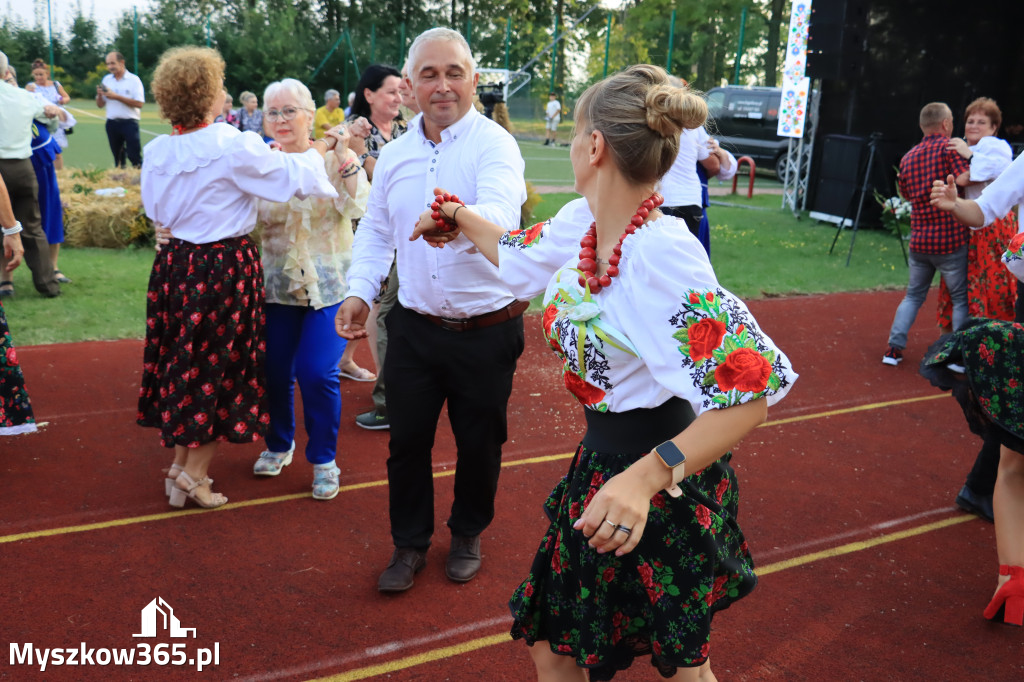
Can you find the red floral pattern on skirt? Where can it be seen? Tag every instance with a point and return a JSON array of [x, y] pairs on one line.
[[15, 407], [202, 373], [991, 288]]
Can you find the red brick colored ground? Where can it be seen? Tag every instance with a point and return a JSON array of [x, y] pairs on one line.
[[834, 489]]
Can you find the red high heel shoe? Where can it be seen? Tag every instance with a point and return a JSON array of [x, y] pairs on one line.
[[1009, 599]]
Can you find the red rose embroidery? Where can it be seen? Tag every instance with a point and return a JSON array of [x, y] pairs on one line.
[[694, 298], [609, 574], [528, 590], [588, 394], [549, 316], [745, 369], [646, 574], [705, 336], [1017, 242], [658, 501], [703, 516], [709, 297], [12, 356], [723, 485]]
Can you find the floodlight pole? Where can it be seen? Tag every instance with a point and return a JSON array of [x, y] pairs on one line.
[[671, 39], [608, 43], [135, 37], [739, 46], [508, 39], [49, 26]]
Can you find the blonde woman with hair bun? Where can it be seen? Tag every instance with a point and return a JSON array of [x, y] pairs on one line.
[[672, 370]]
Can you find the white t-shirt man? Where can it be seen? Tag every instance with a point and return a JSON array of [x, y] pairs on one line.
[[130, 86], [553, 114]]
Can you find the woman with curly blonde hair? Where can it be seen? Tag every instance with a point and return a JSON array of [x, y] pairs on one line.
[[672, 370], [202, 379]]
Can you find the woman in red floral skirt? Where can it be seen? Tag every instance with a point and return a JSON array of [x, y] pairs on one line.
[[202, 378], [672, 370], [991, 290]]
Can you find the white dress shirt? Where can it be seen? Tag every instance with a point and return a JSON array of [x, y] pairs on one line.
[[203, 186], [129, 86], [479, 162], [680, 185], [1004, 193], [17, 109]]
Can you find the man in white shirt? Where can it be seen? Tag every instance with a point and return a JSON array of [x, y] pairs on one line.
[[456, 332], [552, 115], [122, 94], [18, 108]]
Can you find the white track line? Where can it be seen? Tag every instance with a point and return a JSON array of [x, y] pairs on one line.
[[89, 113]]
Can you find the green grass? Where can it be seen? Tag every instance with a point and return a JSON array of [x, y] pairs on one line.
[[88, 147], [106, 300], [759, 249]]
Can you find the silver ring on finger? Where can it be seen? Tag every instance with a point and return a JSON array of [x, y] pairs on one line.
[[612, 524], [624, 529]]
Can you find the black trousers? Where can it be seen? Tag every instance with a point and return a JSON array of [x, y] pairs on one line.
[[20, 178], [691, 215], [982, 478], [472, 371], [123, 135]]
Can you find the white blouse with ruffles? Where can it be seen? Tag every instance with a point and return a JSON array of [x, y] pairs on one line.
[[203, 186], [665, 327], [992, 156], [307, 243]]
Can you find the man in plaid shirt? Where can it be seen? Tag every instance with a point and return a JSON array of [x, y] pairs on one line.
[[937, 240]]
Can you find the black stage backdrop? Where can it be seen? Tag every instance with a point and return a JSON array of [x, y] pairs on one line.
[[880, 61]]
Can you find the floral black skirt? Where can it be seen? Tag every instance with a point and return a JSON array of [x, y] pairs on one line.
[[202, 374], [15, 407], [990, 390], [658, 600]]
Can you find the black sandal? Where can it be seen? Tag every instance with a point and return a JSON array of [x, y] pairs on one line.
[[6, 289], [61, 277]]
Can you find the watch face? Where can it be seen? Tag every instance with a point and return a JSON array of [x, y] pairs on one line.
[[670, 454]]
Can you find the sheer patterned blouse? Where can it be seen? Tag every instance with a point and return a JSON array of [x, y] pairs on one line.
[[307, 243]]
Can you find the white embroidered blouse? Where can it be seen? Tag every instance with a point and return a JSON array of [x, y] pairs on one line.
[[665, 327], [203, 186], [307, 243]]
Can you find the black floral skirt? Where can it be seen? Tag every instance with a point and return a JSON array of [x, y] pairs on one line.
[[658, 600], [15, 407], [990, 389], [202, 374]]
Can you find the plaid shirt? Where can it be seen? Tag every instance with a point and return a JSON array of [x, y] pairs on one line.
[[931, 230]]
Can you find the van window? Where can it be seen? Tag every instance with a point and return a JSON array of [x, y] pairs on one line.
[[716, 100]]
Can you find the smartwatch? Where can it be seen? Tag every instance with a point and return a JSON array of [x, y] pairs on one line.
[[671, 456]]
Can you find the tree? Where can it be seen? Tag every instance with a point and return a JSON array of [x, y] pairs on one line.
[[84, 52]]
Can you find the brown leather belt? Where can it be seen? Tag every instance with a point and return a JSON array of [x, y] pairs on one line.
[[509, 312]]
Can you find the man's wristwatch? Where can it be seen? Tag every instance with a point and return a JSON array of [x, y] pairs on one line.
[[671, 456]]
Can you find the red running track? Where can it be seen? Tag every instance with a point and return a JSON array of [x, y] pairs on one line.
[[868, 572]]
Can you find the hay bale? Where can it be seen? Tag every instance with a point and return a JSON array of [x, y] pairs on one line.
[[112, 222]]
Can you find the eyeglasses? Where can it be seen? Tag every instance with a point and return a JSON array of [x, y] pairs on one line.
[[286, 114]]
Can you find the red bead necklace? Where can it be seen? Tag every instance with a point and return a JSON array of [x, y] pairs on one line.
[[444, 222], [588, 247], [181, 130]]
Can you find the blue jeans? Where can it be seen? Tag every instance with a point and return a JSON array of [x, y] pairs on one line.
[[953, 267], [302, 345]]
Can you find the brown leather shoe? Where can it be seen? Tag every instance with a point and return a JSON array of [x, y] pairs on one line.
[[463, 559], [404, 564]]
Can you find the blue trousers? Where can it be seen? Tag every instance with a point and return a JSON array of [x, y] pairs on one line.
[[303, 346]]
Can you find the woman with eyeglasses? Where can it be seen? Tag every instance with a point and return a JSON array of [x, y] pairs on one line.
[[203, 376], [307, 247]]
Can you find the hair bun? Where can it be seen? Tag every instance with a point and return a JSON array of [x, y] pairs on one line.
[[38, 64], [670, 109]]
